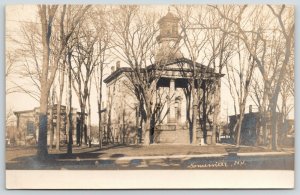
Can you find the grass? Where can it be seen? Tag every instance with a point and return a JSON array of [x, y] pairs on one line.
[[13, 153], [84, 158]]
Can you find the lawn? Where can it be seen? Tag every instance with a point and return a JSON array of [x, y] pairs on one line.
[[155, 156], [13, 153]]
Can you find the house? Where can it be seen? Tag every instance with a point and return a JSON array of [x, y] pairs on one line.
[[255, 132], [26, 130]]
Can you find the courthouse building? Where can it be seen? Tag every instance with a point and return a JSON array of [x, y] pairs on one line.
[[172, 99]]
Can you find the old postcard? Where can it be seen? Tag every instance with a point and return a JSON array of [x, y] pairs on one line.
[[184, 96]]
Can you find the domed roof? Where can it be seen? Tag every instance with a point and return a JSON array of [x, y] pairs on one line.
[[169, 17]]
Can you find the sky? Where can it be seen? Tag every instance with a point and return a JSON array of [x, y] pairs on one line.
[[19, 101]]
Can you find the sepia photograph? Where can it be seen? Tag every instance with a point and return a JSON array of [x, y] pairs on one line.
[[164, 92]]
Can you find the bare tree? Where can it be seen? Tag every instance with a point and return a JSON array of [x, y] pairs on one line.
[[10, 61], [47, 15], [265, 83], [135, 41], [69, 100], [287, 27], [195, 36], [239, 79], [111, 93], [103, 48], [261, 52], [218, 53], [248, 41], [25, 62], [86, 59]]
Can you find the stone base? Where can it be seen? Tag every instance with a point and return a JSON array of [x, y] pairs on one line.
[[178, 136], [175, 134]]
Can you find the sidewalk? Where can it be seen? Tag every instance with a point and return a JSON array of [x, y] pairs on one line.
[[185, 156]]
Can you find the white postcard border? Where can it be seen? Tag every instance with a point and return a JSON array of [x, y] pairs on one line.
[[149, 179]]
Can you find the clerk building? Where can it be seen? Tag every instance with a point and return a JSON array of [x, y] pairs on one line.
[[172, 98]]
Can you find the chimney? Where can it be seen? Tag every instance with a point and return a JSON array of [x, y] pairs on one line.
[[250, 108], [118, 64], [112, 69]]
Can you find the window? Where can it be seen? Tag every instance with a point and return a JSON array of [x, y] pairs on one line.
[[174, 30], [30, 128]]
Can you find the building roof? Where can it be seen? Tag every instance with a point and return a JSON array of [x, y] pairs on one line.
[[36, 109], [24, 111], [156, 66], [169, 17], [253, 114]]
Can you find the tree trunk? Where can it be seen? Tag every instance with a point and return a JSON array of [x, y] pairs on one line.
[[216, 112], [100, 106], [264, 121], [89, 135], [146, 132], [276, 93], [82, 124], [240, 121], [70, 120], [109, 126], [83, 100], [148, 115], [274, 119], [187, 94], [58, 121], [46, 25], [51, 127], [239, 127], [137, 114], [123, 126], [194, 113], [204, 114], [99, 124], [42, 151]]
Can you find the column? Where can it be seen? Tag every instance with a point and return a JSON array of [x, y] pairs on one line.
[[171, 102], [158, 103], [178, 103]]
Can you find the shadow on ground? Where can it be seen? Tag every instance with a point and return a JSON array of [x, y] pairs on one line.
[[132, 157]]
